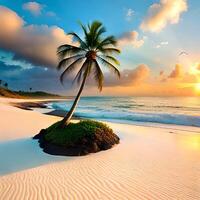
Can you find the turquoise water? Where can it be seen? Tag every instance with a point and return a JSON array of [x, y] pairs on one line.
[[165, 110]]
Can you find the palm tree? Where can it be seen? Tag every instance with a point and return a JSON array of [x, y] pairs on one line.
[[85, 58]]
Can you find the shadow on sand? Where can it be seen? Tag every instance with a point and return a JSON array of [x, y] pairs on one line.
[[21, 154]]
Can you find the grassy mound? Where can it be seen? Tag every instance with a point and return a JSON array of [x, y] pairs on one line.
[[8, 93], [81, 138]]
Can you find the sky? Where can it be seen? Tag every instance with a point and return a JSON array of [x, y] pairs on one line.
[[159, 42]]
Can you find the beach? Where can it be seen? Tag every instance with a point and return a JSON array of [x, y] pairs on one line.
[[151, 162]]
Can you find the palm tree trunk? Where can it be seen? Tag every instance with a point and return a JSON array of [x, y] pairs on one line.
[[69, 115]]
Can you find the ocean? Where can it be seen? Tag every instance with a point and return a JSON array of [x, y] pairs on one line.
[[164, 110]]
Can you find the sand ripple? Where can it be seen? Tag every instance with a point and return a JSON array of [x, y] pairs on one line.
[[149, 164]]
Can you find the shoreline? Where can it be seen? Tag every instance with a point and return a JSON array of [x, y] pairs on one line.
[[40, 106], [38, 103]]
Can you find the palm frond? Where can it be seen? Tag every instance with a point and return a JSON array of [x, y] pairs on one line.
[[100, 32], [109, 51], [98, 75], [67, 46], [70, 68], [86, 34], [66, 61], [93, 36], [68, 50], [96, 31], [109, 65], [83, 28], [111, 58], [110, 40], [78, 39], [80, 72], [96, 25]]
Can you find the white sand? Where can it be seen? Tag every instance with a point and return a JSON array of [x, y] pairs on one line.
[[149, 163], [16, 123]]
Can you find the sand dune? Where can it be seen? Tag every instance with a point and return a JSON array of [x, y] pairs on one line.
[[149, 163]]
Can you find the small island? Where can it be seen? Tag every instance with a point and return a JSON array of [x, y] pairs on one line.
[[76, 139], [92, 53]]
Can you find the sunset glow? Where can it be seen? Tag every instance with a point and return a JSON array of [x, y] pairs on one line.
[[159, 51], [195, 69], [192, 143], [197, 87]]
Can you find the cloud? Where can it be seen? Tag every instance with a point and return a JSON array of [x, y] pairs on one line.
[[10, 21], [163, 13], [161, 73], [158, 46], [164, 43], [9, 60], [130, 38], [129, 14], [177, 72], [50, 14], [33, 7], [129, 76], [37, 9], [178, 75], [36, 44], [8, 71], [38, 78]]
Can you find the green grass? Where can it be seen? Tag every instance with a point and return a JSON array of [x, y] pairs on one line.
[[36, 94], [5, 92], [74, 132]]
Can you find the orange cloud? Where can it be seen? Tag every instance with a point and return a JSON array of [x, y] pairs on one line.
[[177, 72], [34, 43], [139, 74], [10, 22], [178, 75], [152, 89], [129, 76], [163, 13], [34, 7], [161, 72], [140, 83]]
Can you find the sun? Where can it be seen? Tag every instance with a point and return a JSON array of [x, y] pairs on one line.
[[195, 69], [197, 87]]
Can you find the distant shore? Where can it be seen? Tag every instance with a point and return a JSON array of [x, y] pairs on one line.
[[42, 104]]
